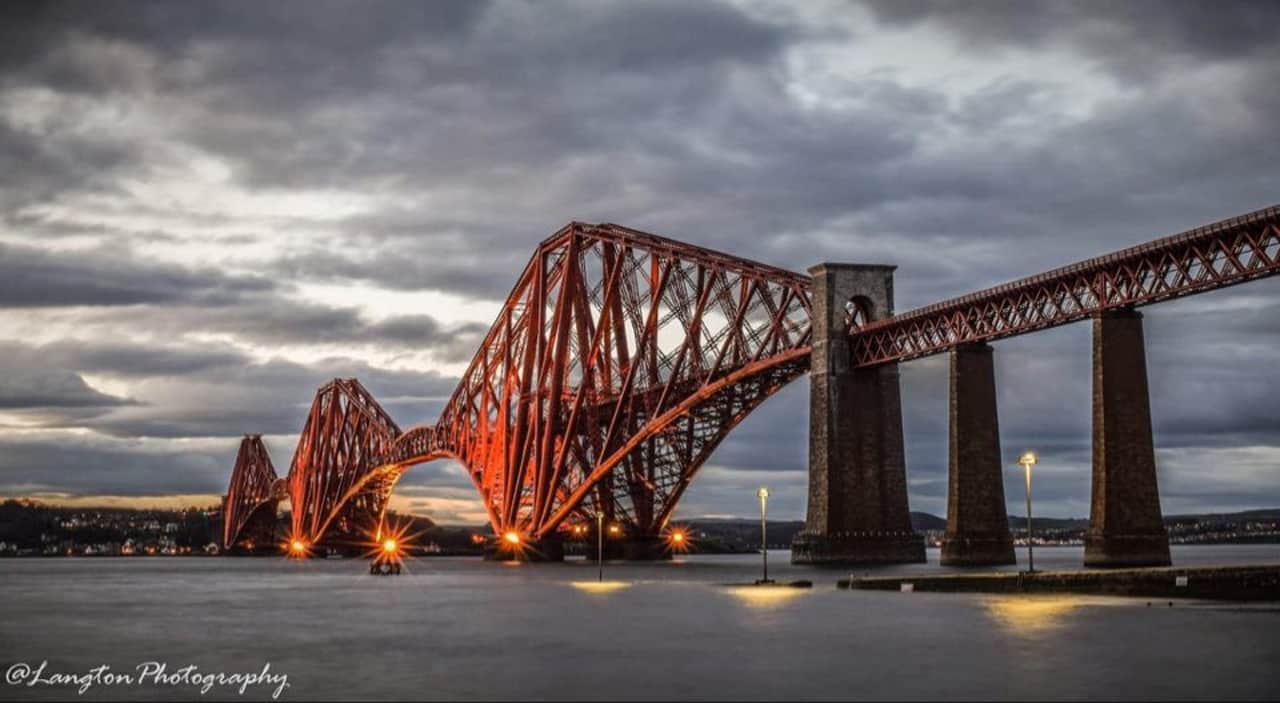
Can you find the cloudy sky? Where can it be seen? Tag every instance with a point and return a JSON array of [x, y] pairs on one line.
[[209, 209]]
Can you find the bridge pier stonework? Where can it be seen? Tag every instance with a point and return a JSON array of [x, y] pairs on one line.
[[977, 524], [857, 511], [629, 548], [543, 550], [1125, 523]]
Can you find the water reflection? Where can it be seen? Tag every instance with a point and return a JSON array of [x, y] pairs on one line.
[[599, 587], [1032, 614], [765, 596]]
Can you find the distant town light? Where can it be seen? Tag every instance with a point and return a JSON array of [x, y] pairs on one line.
[[390, 546]]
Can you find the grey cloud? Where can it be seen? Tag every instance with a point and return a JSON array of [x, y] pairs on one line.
[[95, 466], [271, 321], [135, 360], [271, 398], [33, 277], [29, 383], [187, 392], [39, 389], [489, 126], [1133, 38]]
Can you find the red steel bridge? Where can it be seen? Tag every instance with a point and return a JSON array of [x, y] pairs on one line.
[[622, 359]]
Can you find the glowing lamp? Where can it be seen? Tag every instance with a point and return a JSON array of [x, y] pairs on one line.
[[390, 546], [512, 538], [1028, 459]]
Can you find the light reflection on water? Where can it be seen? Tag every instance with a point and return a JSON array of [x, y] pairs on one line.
[[600, 587], [463, 628], [766, 597], [1032, 614]]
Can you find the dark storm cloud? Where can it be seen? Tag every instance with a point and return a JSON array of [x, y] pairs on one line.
[[1131, 37], [41, 390], [93, 466], [33, 169], [32, 277], [38, 33], [182, 300], [270, 398], [193, 392], [133, 360]]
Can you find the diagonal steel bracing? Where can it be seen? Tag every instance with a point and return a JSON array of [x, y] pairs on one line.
[[622, 359]]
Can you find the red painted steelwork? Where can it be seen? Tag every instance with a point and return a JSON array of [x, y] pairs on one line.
[[254, 486], [621, 359], [331, 478], [619, 362], [1214, 256]]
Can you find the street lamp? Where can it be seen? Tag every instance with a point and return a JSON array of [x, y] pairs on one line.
[[763, 495], [1028, 459], [600, 546]]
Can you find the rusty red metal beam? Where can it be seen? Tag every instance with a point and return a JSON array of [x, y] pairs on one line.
[[611, 339], [254, 488], [1222, 254], [330, 478], [621, 359]]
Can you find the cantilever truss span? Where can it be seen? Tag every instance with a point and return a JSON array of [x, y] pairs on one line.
[[621, 359], [249, 508], [618, 363], [336, 479]]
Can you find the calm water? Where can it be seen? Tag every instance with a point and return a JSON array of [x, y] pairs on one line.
[[461, 628]]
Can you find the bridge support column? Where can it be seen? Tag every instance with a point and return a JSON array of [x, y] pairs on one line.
[[1125, 524], [629, 548], [857, 511], [548, 549], [977, 525]]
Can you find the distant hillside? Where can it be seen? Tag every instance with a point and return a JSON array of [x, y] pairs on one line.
[[926, 521]]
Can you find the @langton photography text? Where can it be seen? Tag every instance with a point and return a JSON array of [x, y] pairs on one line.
[[146, 674]]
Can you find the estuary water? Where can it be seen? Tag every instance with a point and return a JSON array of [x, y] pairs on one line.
[[453, 628]]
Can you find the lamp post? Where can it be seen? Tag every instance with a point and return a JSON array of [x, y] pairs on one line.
[[1028, 459], [600, 546], [763, 494]]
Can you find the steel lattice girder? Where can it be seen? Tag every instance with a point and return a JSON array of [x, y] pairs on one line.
[[331, 478], [1214, 256], [619, 361], [254, 486]]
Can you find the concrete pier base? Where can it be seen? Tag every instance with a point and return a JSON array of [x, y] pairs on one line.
[[1125, 523], [857, 511], [852, 549], [1246, 583], [532, 551], [977, 525], [638, 548]]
